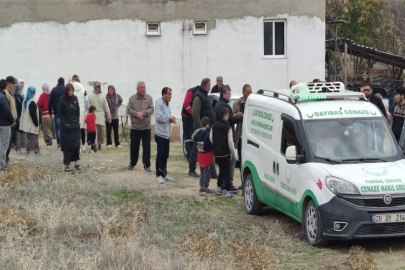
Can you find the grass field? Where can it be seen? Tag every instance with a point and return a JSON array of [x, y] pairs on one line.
[[109, 218]]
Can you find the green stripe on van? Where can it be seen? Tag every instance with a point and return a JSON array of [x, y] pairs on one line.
[[269, 198]]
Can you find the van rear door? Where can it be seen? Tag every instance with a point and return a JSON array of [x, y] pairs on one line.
[[262, 123]]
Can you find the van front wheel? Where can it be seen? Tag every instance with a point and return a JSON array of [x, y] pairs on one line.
[[313, 225], [252, 204]]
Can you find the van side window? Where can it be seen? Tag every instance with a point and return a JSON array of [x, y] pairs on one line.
[[289, 138]]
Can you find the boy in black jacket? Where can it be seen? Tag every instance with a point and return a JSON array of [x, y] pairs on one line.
[[204, 151], [222, 139]]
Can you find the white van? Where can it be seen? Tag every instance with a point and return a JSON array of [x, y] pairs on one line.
[[325, 157]]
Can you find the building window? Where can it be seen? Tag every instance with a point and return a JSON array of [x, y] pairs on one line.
[[200, 28], [153, 29], [274, 38]]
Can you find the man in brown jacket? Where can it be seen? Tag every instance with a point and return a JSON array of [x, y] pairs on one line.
[[239, 107], [140, 108]]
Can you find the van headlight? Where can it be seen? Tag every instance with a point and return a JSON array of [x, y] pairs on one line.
[[339, 186]]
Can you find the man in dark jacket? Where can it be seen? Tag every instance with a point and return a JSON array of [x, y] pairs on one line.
[[56, 93], [202, 107], [368, 92], [399, 113], [6, 120], [225, 97], [217, 88], [9, 91]]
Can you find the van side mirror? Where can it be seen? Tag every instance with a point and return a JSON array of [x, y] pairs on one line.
[[291, 154]]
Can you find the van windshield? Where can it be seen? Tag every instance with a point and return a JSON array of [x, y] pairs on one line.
[[351, 140]]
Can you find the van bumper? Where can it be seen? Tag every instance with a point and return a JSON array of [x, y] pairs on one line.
[[358, 219]]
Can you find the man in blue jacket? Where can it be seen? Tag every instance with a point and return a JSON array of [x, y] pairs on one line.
[[6, 120], [56, 93]]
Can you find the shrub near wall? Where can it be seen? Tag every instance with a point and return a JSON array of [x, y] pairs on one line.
[[175, 134]]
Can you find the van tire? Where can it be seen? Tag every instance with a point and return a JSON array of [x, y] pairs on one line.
[[252, 204], [313, 225]]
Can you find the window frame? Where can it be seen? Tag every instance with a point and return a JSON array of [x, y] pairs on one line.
[[299, 146], [198, 32], [158, 33], [274, 56]]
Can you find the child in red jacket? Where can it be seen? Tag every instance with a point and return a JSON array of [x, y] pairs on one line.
[[91, 128]]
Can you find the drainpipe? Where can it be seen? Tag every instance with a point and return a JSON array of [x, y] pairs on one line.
[[345, 65]]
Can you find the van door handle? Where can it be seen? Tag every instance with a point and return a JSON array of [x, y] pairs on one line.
[[253, 144], [274, 167], [277, 169]]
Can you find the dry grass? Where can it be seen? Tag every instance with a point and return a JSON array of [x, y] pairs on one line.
[[201, 246], [240, 253], [125, 221], [360, 259], [12, 218], [109, 218], [17, 174], [248, 255]]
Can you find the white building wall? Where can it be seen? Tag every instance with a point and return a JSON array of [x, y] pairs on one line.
[[119, 53]]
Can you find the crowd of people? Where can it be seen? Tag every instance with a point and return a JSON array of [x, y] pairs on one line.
[[63, 113], [211, 135]]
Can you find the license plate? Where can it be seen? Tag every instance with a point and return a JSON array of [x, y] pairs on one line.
[[388, 218]]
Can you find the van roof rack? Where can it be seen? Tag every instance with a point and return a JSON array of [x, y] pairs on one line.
[[275, 94], [322, 91], [313, 91], [319, 87]]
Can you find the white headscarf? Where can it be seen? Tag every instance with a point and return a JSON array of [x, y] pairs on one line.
[[19, 81]]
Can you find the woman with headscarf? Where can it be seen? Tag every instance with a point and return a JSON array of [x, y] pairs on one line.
[[114, 101], [69, 113], [30, 121], [19, 136], [48, 127], [102, 112], [21, 83]]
